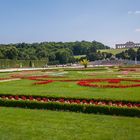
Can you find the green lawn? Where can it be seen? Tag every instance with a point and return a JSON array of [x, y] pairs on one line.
[[22, 124], [79, 56], [26, 124], [115, 51], [71, 89]]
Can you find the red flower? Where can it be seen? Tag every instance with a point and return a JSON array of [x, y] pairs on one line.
[[71, 101], [23, 98], [10, 97], [38, 99], [84, 101], [91, 101], [16, 97], [45, 99], [77, 101], [61, 100], [31, 98], [115, 81], [129, 105]]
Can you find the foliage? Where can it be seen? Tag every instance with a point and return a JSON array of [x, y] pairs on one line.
[[8, 63], [71, 89], [53, 98], [70, 100], [84, 62], [128, 54], [62, 52], [109, 110]]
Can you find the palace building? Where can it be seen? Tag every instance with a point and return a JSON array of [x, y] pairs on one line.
[[128, 45]]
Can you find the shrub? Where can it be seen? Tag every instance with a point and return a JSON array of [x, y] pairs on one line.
[[109, 110]]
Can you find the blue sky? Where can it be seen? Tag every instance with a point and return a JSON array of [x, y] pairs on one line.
[[107, 21]]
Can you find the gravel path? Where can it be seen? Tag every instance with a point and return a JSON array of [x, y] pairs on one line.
[[7, 80]]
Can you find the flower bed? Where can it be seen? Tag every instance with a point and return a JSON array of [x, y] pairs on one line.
[[71, 100], [43, 82], [113, 83], [76, 105]]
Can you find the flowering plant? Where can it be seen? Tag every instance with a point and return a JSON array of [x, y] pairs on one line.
[[115, 82], [71, 101], [112, 83]]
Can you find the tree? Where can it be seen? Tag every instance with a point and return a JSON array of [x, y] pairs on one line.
[[138, 54], [131, 53], [64, 56], [127, 54], [92, 56], [52, 56], [42, 54], [84, 62], [11, 53], [52, 51]]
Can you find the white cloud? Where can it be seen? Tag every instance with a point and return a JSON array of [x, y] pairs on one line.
[[137, 30], [134, 12], [137, 12]]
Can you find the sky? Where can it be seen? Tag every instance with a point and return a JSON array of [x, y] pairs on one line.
[[106, 21]]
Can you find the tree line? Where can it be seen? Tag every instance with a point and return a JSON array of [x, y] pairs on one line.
[[130, 54], [54, 52]]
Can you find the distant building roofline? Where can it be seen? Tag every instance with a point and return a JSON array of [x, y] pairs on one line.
[[128, 44]]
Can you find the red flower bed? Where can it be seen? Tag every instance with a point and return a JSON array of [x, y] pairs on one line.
[[89, 83], [71, 101], [112, 83]]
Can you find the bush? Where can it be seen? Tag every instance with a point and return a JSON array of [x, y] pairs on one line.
[[109, 110], [71, 98]]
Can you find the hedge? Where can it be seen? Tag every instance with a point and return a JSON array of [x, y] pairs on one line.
[[7, 63], [72, 98], [109, 110]]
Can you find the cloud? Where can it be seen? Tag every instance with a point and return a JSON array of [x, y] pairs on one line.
[[134, 12], [137, 12], [137, 30]]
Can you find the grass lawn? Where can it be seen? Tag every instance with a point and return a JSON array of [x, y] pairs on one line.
[[79, 56], [71, 89], [115, 51], [25, 124]]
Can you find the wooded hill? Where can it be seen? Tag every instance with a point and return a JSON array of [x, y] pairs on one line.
[[59, 53], [53, 52]]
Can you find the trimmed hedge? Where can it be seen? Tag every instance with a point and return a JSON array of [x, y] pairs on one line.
[[109, 110], [71, 98], [8, 63]]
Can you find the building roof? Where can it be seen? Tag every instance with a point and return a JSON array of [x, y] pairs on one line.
[[129, 43]]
